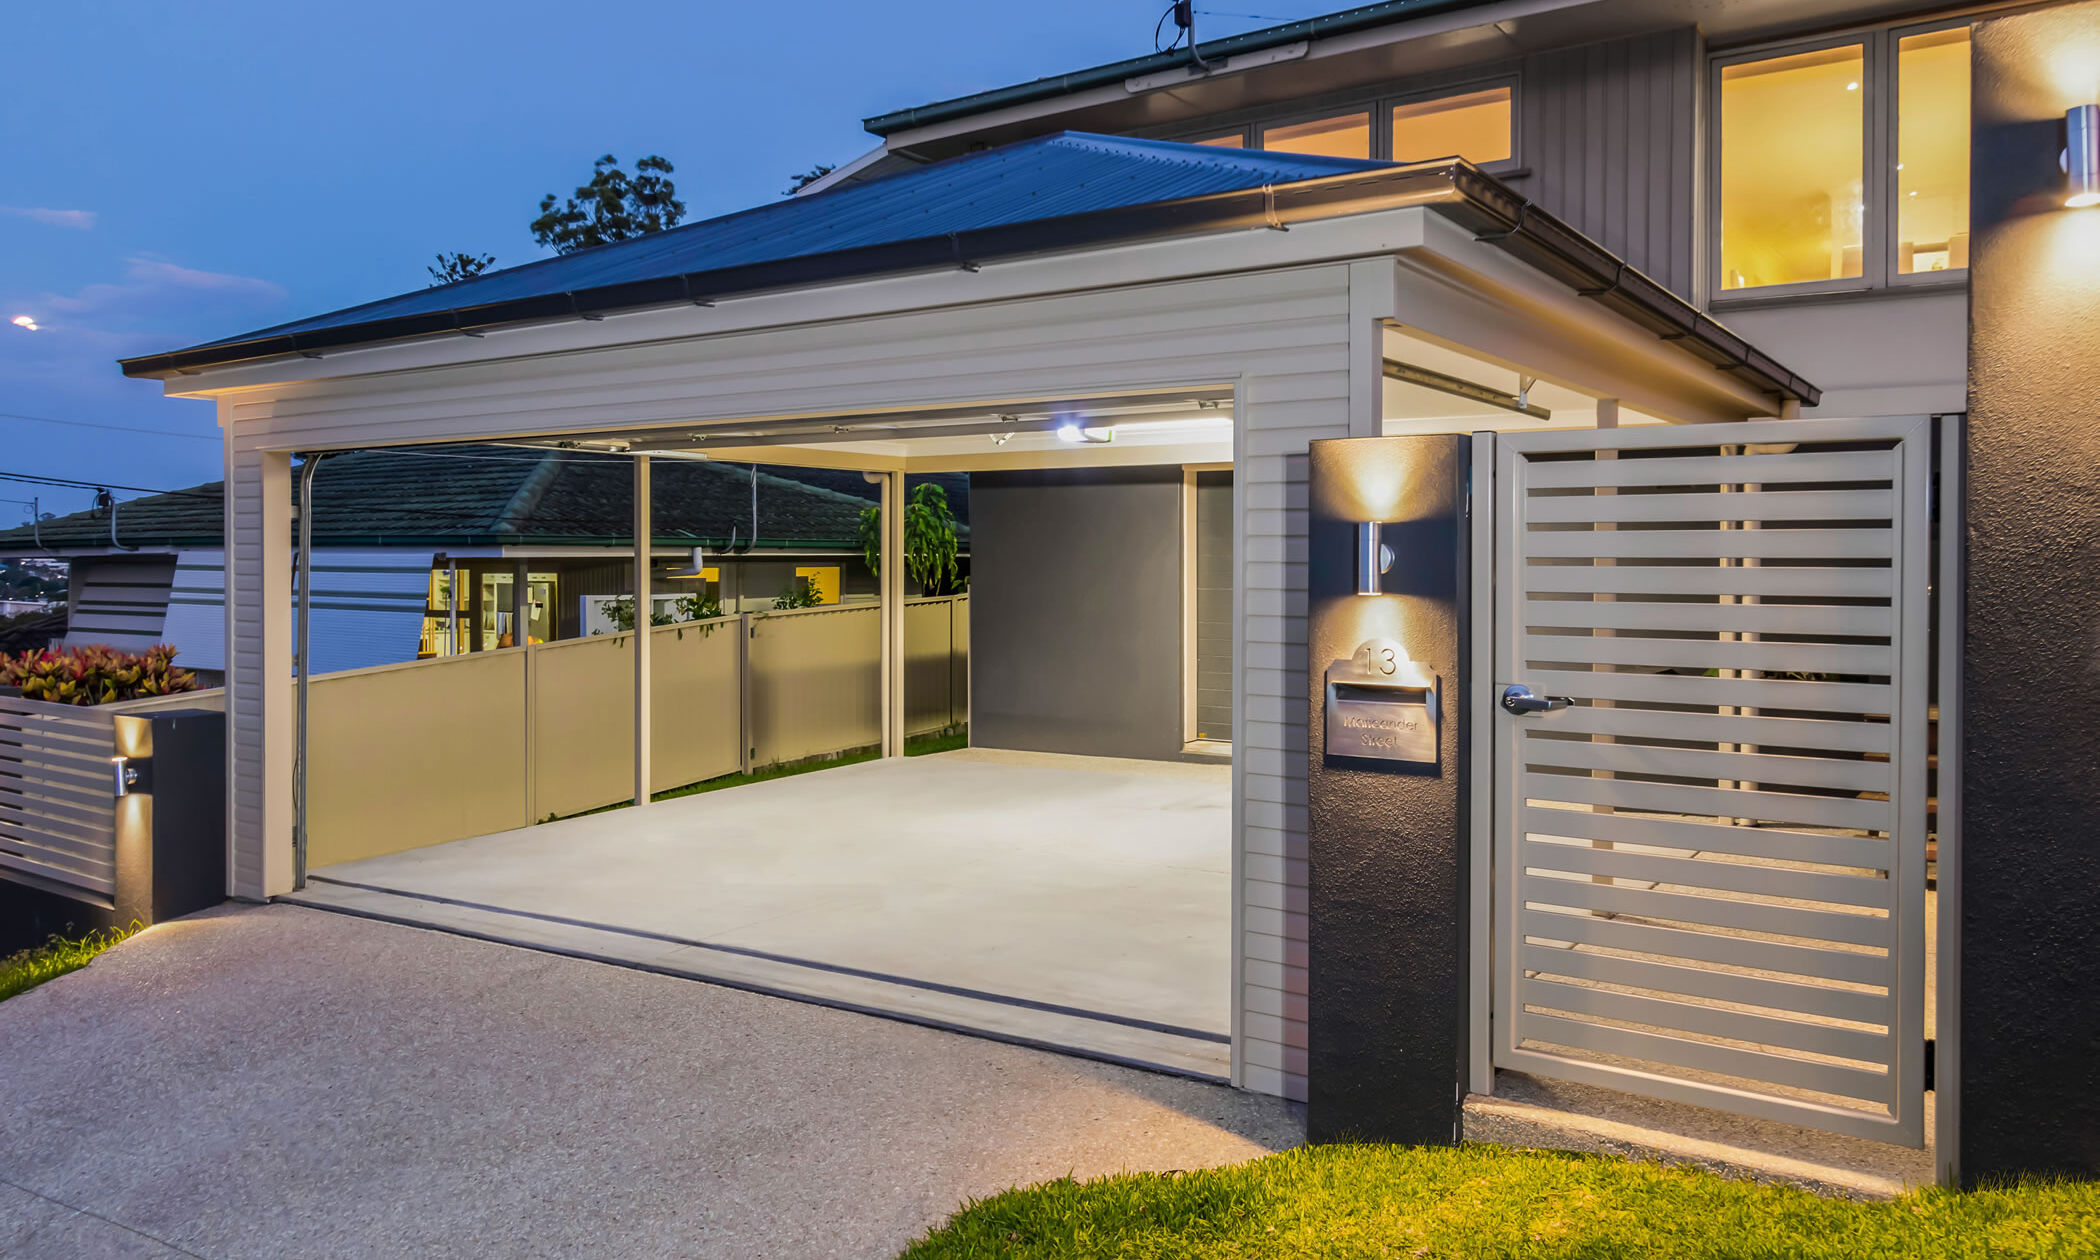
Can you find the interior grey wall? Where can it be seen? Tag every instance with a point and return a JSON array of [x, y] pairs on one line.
[[1214, 605], [1075, 611], [2030, 870]]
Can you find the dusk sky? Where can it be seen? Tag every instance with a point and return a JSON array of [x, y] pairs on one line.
[[175, 173]]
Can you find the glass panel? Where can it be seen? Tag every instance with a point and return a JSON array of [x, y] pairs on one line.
[[1474, 126], [1348, 136], [1230, 140], [1932, 151], [1792, 168]]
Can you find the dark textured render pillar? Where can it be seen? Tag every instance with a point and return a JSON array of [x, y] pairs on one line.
[[2030, 820], [1387, 896]]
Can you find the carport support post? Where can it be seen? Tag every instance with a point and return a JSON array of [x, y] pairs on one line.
[[892, 579], [642, 539]]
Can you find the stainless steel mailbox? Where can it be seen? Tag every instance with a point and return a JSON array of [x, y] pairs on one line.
[[1382, 706]]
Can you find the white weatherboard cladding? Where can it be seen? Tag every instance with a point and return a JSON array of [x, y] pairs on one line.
[[1281, 337]]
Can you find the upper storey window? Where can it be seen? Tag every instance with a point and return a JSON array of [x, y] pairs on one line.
[[1477, 123], [1844, 164], [1343, 136], [1476, 126]]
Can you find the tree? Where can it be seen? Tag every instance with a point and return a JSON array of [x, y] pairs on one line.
[[614, 206], [808, 177], [453, 268], [930, 543]]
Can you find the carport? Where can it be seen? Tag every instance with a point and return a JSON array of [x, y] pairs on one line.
[[1083, 323]]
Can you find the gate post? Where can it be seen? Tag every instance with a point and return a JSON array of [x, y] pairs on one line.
[[1388, 838]]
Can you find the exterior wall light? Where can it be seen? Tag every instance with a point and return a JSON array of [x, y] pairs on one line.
[[2081, 159], [1073, 432], [125, 776], [1373, 558]]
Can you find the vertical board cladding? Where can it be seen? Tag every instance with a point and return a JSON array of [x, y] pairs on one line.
[[1282, 336], [1609, 134], [1076, 581], [258, 700], [2030, 872]]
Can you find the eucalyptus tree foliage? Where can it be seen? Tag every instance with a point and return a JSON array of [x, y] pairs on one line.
[[614, 206]]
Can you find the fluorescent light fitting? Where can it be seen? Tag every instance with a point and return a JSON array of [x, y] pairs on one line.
[[1071, 431]]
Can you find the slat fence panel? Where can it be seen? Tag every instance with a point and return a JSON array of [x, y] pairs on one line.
[[57, 799], [1710, 869]]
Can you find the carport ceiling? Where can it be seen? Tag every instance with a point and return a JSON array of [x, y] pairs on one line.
[[951, 432]]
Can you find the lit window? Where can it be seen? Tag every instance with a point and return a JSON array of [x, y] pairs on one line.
[[1230, 140], [1932, 151], [823, 583], [1348, 136], [1474, 126], [1792, 168]]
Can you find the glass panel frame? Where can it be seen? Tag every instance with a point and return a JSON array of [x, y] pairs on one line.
[[1897, 277], [1879, 185], [1343, 120], [1507, 85], [1251, 135]]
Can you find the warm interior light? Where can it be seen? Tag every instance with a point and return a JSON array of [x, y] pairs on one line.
[[1792, 168], [2081, 159]]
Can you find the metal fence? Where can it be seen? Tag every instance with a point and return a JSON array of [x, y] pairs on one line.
[[58, 827]]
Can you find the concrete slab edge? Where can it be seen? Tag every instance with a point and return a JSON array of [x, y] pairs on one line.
[[703, 976]]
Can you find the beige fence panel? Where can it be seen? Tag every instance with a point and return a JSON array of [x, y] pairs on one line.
[[932, 701], [815, 682], [582, 724], [404, 756], [694, 708], [959, 660]]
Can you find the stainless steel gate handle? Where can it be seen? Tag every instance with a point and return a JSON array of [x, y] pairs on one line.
[[1520, 699]]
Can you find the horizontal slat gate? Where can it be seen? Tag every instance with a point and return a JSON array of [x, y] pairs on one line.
[[57, 799], [1710, 870]]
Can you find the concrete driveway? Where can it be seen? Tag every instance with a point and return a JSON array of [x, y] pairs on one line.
[[275, 1081]]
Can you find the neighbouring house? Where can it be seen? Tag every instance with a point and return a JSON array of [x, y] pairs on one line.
[[433, 551], [1609, 478]]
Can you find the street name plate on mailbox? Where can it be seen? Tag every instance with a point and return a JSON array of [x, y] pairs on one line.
[[1382, 706]]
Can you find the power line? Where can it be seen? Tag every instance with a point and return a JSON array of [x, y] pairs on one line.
[[69, 483], [113, 428]]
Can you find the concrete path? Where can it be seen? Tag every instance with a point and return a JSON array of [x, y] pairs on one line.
[[273, 1081]]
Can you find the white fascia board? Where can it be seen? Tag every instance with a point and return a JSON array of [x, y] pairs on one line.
[[1167, 80], [840, 174], [1127, 264], [1473, 297]]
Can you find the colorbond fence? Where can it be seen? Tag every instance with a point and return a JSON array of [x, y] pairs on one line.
[[404, 756]]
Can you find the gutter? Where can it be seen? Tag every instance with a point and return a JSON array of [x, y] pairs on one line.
[[1116, 72], [1459, 191]]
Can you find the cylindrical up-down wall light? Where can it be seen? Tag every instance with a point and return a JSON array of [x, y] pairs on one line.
[[1373, 558], [2082, 155]]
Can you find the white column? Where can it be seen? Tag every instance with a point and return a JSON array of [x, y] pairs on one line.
[[259, 672], [642, 538], [893, 587]]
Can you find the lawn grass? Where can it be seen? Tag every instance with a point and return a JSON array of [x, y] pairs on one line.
[[1480, 1202], [916, 746], [29, 968]]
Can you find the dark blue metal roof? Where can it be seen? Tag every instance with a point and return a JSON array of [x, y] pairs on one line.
[[1070, 173]]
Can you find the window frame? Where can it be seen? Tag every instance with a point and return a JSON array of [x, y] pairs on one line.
[[1382, 121], [1380, 108], [1878, 147]]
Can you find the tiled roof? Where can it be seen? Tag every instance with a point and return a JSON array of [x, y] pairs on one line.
[[480, 496]]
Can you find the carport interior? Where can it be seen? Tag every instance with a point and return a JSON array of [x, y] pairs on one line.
[[1007, 809]]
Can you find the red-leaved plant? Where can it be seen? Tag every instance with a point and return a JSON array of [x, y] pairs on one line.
[[94, 674]]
